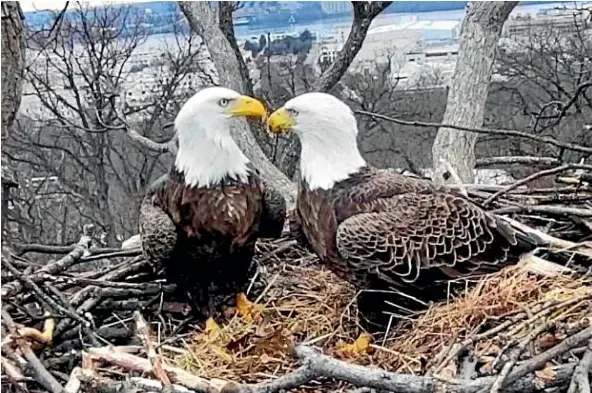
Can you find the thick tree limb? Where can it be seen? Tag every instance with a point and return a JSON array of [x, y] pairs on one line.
[[13, 64], [364, 14], [480, 31], [13, 61]]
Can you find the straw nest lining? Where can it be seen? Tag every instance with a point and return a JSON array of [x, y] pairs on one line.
[[307, 304]]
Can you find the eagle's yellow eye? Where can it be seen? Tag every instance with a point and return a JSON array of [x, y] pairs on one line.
[[223, 102]]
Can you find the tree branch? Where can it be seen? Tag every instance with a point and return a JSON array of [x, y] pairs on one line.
[[364, 14], [516, 160], [225, 13], [482, 130]]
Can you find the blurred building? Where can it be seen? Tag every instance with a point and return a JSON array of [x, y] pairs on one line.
[[336, 7]]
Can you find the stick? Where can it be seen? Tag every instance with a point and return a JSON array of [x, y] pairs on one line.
[[144, 333], [136, 363], [580, 383]]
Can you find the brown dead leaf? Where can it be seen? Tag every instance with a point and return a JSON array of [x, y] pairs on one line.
[[544, 376]]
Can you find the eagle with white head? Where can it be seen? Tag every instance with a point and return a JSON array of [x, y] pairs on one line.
[[200, 221], [399, 239]]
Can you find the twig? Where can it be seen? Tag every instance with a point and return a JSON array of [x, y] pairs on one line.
[[580, 383], [512, 160], [144, 333], [519, 134]]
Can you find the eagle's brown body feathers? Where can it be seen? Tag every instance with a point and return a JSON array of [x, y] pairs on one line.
[[204, 237], [391, 233]]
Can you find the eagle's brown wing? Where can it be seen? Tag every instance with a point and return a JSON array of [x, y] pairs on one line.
[[407, 226], [273, 215], [158, 232]]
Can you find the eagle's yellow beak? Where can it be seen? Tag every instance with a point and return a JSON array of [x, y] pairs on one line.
[[280, 122], [247, 106]]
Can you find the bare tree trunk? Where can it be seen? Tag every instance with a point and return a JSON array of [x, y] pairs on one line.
[[481, 28], [205, 23], [13, 63]]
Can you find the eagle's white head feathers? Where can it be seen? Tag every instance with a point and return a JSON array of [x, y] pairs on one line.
[[328, 134], [207, 152]]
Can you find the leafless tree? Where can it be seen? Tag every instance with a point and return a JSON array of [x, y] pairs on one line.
[[543, 86], [83, 93], [480, 32]]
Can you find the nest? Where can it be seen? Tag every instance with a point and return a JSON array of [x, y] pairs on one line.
[[70, 325], [310, 305]]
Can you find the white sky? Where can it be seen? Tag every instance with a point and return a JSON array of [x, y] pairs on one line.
[[33, 5]]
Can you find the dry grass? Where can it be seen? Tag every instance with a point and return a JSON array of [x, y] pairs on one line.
[[308, 304]]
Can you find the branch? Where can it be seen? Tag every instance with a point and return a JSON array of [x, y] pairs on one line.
[[316, 365], [364, 14], [512, 160], [141, 140], [580, 381], [157, 369], [136, 363], [559, 210], [225, 12], [481, 130]]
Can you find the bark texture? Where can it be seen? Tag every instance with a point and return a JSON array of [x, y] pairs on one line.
[[480, 31], [204, 21], [13, 61], [13, 64]]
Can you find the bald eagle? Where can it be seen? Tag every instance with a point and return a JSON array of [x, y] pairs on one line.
[[200, 221], [399, 239]]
